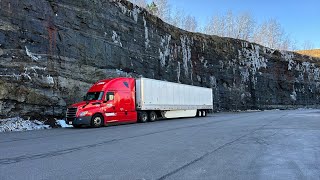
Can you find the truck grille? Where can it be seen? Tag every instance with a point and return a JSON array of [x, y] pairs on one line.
[[71, 113]]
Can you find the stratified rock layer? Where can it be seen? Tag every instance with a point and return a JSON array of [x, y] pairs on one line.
[[51, 51]]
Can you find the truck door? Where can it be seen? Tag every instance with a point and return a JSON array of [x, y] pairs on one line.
[[110, 107], [122, 108]]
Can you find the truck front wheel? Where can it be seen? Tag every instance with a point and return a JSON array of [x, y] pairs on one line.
[[96, 121], [143, 117]]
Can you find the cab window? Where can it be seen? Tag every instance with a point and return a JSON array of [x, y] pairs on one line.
[[110, 96], [93, 96]]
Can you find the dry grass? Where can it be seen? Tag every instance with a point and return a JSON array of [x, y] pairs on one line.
[[312, 52]]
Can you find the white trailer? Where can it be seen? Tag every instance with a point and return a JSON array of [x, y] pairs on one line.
[[172, 100]]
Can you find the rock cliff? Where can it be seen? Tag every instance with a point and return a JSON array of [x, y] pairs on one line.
[[51, 51]]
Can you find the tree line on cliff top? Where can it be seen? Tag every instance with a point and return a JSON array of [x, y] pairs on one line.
[[243, 26]]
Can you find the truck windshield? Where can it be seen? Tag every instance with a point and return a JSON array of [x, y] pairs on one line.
[[93, 96]]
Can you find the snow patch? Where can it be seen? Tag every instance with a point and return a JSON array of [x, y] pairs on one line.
[[251, 61], [32, 55], [244, 72], [50, 80], [178, 71], [291, 63], [28, 72], [213, 82], [165, 44], [62, 123], [116, 38], [287, 55], [293, 96], [19, 124], [146, 33], [135, 12], [186, 53]]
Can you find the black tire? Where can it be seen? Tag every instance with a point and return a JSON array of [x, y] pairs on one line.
[[201, 113], [198, 113], [204, 113], [76, 126], [143, 117], [153, 116], [96, 121]]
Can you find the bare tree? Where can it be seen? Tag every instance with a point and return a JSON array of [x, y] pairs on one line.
[[216, 26], [190, 23], [163, 9], [270, 34], [244, 26], [177, 18], [307, 45], [230, 26]]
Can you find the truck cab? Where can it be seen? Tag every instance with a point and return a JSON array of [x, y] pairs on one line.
[[107, 101]]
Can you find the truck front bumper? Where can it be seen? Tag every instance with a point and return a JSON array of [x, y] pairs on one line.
[[79, 121]]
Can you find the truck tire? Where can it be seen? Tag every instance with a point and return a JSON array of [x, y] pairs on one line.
[[143, 117], [204, 113], [96, 121], [152, 116]]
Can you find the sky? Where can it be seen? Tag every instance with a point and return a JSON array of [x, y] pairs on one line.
[[300, 19]]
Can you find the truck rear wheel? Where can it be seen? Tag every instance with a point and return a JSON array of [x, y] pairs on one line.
[[143, 116], [204, 113], [152, 116], [96, 121]]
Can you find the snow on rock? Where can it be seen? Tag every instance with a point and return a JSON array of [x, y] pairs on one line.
[[251, 61], [293, 96], [19, 124], [178, 71], [134, 12], [31, 55], [146, 33], [165, 44], [62, 123], [186, 53], [116, 38]]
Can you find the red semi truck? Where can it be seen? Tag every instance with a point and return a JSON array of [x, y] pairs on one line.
[[129, 100]]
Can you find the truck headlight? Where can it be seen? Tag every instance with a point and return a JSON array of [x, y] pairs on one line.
[[84, 113]]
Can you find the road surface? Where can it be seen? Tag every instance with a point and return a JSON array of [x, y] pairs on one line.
[[248, 145]]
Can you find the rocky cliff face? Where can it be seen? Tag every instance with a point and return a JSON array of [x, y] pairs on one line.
[[51, 51]]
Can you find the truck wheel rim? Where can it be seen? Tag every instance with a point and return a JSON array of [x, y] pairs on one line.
[[144, 117], [97, 121], [153, 117]]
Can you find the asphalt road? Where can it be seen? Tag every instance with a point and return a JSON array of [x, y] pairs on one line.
[[251, 145]]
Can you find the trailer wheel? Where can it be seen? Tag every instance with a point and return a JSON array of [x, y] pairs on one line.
[[198, 113], [96, 121], [143, 116], [152, 116], [204, 113]]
